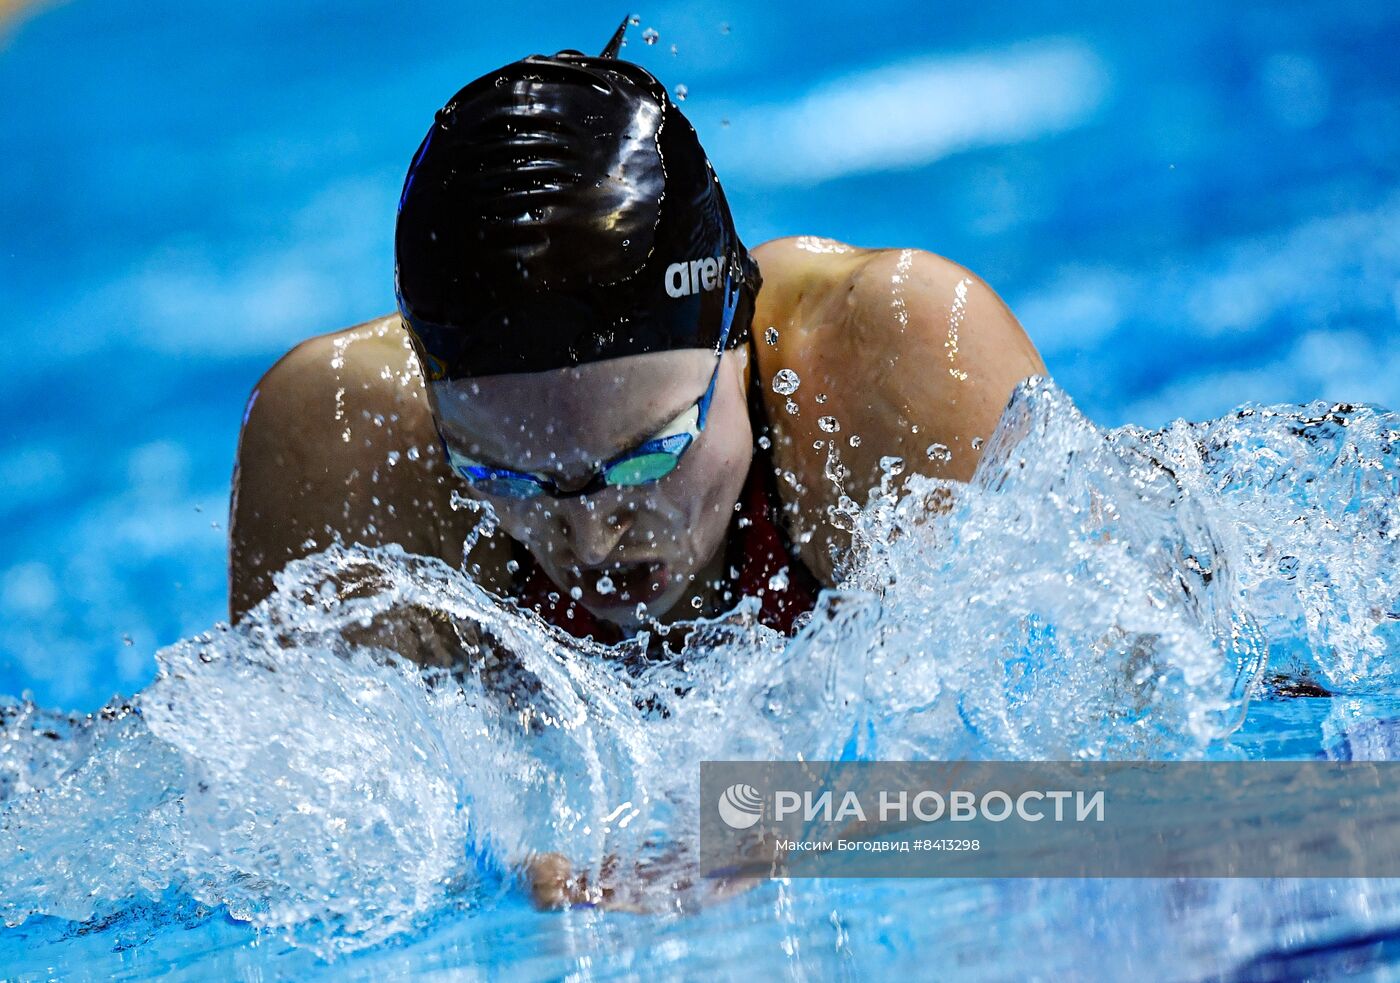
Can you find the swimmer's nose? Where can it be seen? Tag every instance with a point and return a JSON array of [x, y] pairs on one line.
[[593, 535]]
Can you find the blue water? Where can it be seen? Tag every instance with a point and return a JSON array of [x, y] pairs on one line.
[[1189, 206]]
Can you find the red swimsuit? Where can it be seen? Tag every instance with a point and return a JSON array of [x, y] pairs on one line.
[[756, 548]]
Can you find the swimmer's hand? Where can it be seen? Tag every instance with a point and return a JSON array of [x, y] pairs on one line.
[[422, 635], [555, 886], [413, 629]]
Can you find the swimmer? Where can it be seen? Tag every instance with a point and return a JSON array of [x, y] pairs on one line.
[[583, 342]]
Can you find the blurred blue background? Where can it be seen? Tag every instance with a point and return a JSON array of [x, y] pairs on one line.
[[1189, 205]]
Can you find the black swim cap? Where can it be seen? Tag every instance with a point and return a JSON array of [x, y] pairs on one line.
[[561, 211]]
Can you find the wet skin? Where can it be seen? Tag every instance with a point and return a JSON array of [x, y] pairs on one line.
[[904, 349]]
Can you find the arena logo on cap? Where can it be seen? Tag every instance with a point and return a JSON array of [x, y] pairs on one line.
[[684, 279]]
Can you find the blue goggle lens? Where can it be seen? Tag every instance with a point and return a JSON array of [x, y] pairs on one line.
[[508, 487]]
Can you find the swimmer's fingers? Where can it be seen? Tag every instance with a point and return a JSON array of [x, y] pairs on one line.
[[415, 630], [554, 885], [423, 635]]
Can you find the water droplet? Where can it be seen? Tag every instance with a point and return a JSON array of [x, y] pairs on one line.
[[128, 640], [977, 443], [764, 442], [791, 407], [724, 122], [779, 580], [785, 382], [634, 20], [771, 335], [576, 592], [724, 27], [640, 612], [821, 397], [696, 602], [413, 453], [818, 444], [673, 49], [892, 466], [393, 458], [939, 452], [512, 566], [855, 440], [682, 91], [605, 585], [834, 469], [651, 35], [828, 424]]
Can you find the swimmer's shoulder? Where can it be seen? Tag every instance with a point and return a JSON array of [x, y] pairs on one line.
[[368, 363], [349, 410], [342, 399], [803, 277], [810, 271], [824, 301], [902, 352], [830, 300], [795, 266], [338, 445]]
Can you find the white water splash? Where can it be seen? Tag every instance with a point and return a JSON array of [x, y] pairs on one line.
[[1088, 594]]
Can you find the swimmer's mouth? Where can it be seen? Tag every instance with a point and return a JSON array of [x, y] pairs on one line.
[[632, 584]]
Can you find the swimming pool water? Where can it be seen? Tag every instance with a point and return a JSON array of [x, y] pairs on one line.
[[1188, 207]]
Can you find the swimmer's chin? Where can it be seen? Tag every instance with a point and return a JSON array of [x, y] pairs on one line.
[[649, 583], [624, 615]]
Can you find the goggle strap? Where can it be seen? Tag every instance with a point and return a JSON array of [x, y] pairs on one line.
[[731, 304]]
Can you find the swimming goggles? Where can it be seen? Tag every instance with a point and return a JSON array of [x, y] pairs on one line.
[[648, 462]]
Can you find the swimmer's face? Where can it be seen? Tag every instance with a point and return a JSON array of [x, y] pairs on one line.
[[650, 540]]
